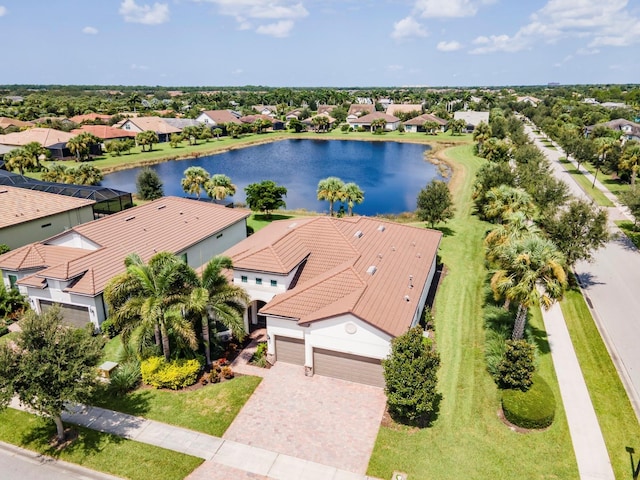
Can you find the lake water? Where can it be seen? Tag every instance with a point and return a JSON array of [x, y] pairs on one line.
[[390, 173]]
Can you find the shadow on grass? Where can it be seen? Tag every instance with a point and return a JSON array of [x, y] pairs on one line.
[[270, 218], [446, 231], [134, 403], [424, 422]]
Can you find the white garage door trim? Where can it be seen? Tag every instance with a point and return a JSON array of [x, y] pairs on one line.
[[73, 315], [346, 366], [290, 350]]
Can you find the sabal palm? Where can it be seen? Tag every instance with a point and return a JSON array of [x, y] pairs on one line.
[[630, 160], [531, 272], [352, 194], [19, 159], [516, 227], [194, 180], [481, 134], [219, 187], [154, 297], [330, 189], [504, 200]]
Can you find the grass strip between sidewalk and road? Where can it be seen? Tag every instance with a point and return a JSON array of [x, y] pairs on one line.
[[616, 416], [98, 451], [630, 231], [468, 440], [209, 409], [586, 184]]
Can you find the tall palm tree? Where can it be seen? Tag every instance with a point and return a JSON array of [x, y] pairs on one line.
[[531, 272], [18, 159], [504, 200], [604, 146], [481, 134], [194, 181], [630, 160], [330, 189], [219, 187], [352, 193], [219, 301], [154, 297], [516, 227]]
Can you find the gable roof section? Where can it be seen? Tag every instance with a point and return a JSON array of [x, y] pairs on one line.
[[156, 124], [425, 117], [167, 224], [90, 117], [13, 122], [361, 108], [44, 136], [396, 108], [221, 116], [105, 132], [358, 265], [38, 255], [375, 116], [21, 205]]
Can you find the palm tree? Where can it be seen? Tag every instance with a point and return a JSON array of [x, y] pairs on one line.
[[225, 302], [516, 227], [148, 137], [57, 173], [604, 145], [154, 297], [80, 145], [431, 127], [19, 159], [219, 187], [37, 152], [503, 201], [531, 272], [352, 193], [87, 174], [481, 134], [630, 160], [194, 181], [217, 132], [330, 189]]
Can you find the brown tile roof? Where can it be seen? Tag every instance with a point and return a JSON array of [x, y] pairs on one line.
[[326, 108], [254, 117], [167, 224], [335, 278], [156, 124], [425, 117], [375, 116], [37, 256], [44, 136], [90, 117], [362, 108], [20, 205], [396, 108], [104, 132], [13, 122], [221, 116]]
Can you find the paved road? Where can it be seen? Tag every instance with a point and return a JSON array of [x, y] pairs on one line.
[[19, 464], [612, 288]]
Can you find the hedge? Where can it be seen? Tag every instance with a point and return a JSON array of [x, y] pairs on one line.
[[174, 375], [532, 409]]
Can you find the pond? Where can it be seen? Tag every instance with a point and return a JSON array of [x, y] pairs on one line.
[[390, 173]]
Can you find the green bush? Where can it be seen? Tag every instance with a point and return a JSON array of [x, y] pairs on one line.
[[125, 378], [535, 408], [3, 330], [108, 328], [259, 358], [175, 374], [517, 367]]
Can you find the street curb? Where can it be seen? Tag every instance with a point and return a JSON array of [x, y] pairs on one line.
[[39, 458]]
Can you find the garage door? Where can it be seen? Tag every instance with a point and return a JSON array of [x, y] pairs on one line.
[[290, 350], [353, 368], [73, 315]]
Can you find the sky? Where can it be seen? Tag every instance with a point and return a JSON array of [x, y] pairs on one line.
[[307, 43]]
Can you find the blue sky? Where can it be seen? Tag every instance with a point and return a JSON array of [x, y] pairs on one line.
[[304, 43]]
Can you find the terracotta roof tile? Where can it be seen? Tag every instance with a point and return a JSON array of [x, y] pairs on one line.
[[44, 136], [426, 117], [105, 132]]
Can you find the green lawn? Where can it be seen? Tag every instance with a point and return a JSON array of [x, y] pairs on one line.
[[468, 440], [586, 185], [615, 414], [96, 450], [8, 337], [210, 409], [113, 350], [630, 231], [613, 184]]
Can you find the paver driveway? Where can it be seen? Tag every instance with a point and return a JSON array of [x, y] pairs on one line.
[[321, 419]]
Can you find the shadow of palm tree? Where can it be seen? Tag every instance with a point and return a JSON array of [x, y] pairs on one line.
[[446, 231]]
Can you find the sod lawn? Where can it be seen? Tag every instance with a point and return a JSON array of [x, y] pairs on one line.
[[98, 451], [586, 184]]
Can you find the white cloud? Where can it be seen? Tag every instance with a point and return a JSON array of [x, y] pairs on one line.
[[139, 67], [407, 27], [449, 46], [252, 13], [449, 8], [145, 14], [279, 29], [395, 68], [601, 23], [90, 30], [237, 71], [3, 11]]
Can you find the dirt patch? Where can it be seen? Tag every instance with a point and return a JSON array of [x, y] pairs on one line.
[[70, 436]]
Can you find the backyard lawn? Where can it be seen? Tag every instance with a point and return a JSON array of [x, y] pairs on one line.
[[96, 450], [467, 439]]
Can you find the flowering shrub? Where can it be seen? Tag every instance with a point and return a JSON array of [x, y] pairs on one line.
[[175, 374]]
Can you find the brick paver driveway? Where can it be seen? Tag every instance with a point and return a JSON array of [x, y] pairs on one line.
[[321, 419]]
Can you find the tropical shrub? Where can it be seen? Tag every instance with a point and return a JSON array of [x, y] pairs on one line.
[[516, 369], [3, 330], [534, 408], [174, 374], [125, 378], [259, 358], [108, 328]]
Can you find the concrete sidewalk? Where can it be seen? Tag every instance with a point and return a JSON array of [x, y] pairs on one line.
[[214, 450], [588, 444]]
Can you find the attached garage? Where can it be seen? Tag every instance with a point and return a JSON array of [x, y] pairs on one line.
[[73, 315], [290, 350], [346, 366]]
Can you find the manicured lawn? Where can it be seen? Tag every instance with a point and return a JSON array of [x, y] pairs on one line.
[[585, 183], [467, 439], [112, 350], [8, 337], [258, 221], [615, 414], [210, 409], [95, 450], [630, 231], [613, 184]]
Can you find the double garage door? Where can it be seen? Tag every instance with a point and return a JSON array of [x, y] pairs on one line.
[[329, 363], [73, 315]]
